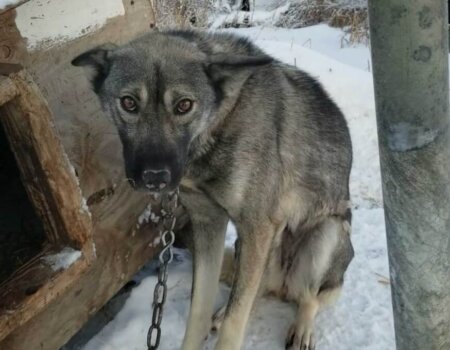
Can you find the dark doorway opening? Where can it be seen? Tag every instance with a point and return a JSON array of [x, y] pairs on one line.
[[22, 234]]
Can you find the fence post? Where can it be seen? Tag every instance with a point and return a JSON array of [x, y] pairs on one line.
[[409, 41], [245, 5]]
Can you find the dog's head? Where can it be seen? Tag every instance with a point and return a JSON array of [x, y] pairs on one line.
[[162, 91]]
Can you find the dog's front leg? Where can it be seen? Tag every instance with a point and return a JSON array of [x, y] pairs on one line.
[[209, 224], [254, 246]]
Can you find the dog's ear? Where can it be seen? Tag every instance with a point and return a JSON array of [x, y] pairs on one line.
[[228, 73], [98, 62], [221, 66]]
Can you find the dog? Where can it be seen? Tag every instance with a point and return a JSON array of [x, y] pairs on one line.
[[246, 138]]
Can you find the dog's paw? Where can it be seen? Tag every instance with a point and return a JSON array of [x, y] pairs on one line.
[[301, 338], [217, 319]]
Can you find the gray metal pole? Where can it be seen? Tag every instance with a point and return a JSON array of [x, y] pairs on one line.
[[409, 41]]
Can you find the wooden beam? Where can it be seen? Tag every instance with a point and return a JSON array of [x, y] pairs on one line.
[[8, 90], [47, 174]]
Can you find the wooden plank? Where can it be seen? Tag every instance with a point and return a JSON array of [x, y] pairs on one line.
[[47, 174], [34, 286], [8, 90]]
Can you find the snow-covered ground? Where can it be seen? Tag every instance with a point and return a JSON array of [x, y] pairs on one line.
[[362, 318]]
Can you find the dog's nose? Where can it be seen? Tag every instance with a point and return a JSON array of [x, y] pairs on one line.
[[156, 179]]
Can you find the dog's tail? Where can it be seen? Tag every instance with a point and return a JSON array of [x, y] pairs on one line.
[[228, 266]]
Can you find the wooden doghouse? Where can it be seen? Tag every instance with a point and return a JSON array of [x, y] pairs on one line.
[[70, 163]]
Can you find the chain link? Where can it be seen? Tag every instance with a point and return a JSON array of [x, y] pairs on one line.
[[169, 205]]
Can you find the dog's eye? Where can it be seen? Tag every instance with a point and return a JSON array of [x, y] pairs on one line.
[[128, 103], [184, 106]]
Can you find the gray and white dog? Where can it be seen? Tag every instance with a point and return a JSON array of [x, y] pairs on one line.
[[248, 139]]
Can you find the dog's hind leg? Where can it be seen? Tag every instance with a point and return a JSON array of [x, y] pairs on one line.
[[209, 224], [316, 276], [301, 334]]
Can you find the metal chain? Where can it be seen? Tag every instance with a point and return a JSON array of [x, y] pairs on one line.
[[169, 205]]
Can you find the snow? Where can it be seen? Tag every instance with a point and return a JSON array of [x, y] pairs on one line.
[[362, 318], [145, 216], [321, 38], [84, 208], [4, 3], [148, 215], [257, 17], [62, 260]]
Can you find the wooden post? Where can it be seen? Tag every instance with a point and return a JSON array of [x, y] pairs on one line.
[[245, 5], [410, 58]]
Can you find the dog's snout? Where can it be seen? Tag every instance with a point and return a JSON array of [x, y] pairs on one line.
[[156, 179]]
